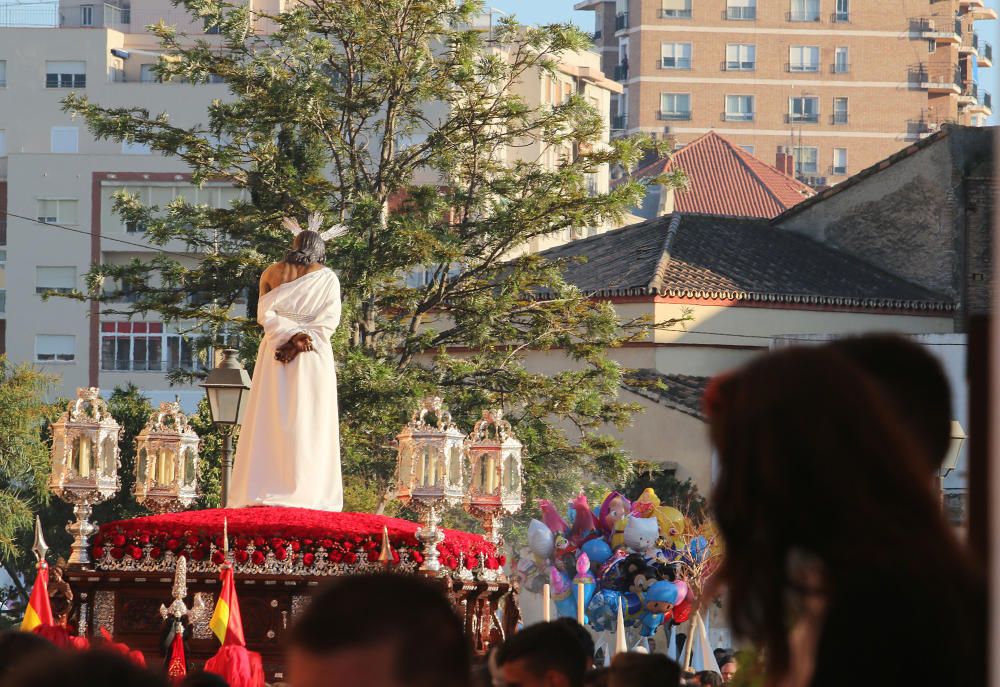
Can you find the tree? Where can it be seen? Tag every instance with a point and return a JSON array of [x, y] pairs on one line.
[[395, 117], [131, 410], [24, 459]]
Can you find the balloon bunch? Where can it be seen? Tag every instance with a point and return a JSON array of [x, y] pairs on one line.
[[621, 552]]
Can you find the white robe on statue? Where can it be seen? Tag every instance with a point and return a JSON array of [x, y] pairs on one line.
[[289, 446]]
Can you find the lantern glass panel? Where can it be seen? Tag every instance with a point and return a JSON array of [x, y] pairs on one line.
[[512, 476], [108, 447], [142, 465], [224, 402], [430, 468], [58, 446], [82, 455], [164, 467], [189, 467], [455, 465]]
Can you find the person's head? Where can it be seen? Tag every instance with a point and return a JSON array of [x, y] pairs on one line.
[[382, 630], [18, 646], [710, 678], [90, 668], [308, 248], [728, 669], [583, 635], [640, 670], [914, 381], [543, 655], [202, 678], [814, 462]]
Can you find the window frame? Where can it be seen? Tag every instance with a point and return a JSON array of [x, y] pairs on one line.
[[677, 115], [739, 116], [674, 45], [801, 66], [804, 116], [799, 170], [3, 73], [175, 350], [40, 290], [841, 170], [740, 65], [58, 218], [684, 12], [741, 10], [60, 80], [839, 116], [842, 66], [806, 13], [55, 360]]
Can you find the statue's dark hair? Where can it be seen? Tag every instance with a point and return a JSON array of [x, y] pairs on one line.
[[308, 248]]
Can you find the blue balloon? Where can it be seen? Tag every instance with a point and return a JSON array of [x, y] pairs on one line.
[[699, 549], [597, 550]]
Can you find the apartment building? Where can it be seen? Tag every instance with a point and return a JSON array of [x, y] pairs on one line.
[[841, 83]]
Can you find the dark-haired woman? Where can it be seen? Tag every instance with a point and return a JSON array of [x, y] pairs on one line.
[[289, 449], [838, 561]]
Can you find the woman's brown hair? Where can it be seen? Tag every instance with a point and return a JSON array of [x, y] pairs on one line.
[[813, 460]]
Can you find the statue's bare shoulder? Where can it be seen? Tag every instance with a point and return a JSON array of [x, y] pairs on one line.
[[281, 272]]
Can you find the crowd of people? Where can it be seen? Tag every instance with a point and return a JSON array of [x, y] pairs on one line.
[[837, 558]]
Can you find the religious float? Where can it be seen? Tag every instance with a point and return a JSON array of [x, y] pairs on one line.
[[136, 579]]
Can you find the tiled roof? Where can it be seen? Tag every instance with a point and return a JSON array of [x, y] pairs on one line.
[[680, 392], [729, 258], [724, 179]]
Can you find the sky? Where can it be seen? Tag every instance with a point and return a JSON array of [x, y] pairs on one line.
[[542, 11]]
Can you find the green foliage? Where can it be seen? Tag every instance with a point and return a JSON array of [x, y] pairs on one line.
[[353, 107], [131, 410], [209, 456], [683, 496]]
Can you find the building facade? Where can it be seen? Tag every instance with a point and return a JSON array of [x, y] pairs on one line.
[[838, 83]]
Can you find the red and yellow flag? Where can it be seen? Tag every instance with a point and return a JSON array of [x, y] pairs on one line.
[[226, 622], [39, 611]]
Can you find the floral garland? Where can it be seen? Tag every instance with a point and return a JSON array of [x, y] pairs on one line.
[[115, 548]]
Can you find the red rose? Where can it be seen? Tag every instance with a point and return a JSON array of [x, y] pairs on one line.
[[198, 553], [98, 539], [395, 556], [350, 558], [155, 553], [177, 534], [307, 542], [492, 563], [502, 560], [326, 543], [242, 556], [335, 556], [277, 543], [258, 557], [173, 545], [143, 539], [192, 540], [218, 557], [369, 545], [258, 542], [119, 540], [308, 559], [98, 552], [417, 556], [372, 556], [296, 546], [470, 562], [281, 553], [117, 553], [135, 552]]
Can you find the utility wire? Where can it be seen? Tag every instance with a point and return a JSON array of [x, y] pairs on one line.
[[144, 246]]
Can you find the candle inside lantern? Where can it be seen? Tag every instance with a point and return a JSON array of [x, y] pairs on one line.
[[546, 602], [491, 472], [165, 467], [83, 456], [579, 603]]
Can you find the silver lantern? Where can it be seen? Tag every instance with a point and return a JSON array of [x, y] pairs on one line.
[[166, 461], [495, 462], [85, 461], [430, 472]]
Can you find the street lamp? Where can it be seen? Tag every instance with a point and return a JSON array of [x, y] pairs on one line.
[[227, 388]]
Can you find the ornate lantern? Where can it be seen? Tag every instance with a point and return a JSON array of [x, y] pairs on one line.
[[430, 472], [85, 463], [495, 460], [166, 461]]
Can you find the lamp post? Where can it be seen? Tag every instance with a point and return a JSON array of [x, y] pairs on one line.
[[85, 461], [227, 388], [950, 462]]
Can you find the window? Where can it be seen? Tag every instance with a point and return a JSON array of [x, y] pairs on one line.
[[57, 211], [804, 109], [932, 45], [143, 347], [146, 73], [55, 348], [843, 13], [675, 55], [86, 15], [58, 279], [676, 9], [806, 159], [675, 106], [840, 110], [65, 74], [741, 9], [3, 143], [741, 57], [804, 10], [3, 300], [803, 58], [3, 73], [134, 148], [65, 139], [840, 160], [841, 63], [739, 108], [748, 148]]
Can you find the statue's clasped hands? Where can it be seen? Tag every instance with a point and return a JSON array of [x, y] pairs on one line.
[[300, 343]]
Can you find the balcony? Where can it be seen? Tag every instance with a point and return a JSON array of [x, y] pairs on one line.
[[99, 15], [936, 81], [840, 68], [985, 58], [802, 118], [981, 13], [983, 104], [674, 116], [970, 4], [969, 97], [970, 44], [740, 13], [944, 31], [621, 72], [802, 15], [839, 118], [621, 21]]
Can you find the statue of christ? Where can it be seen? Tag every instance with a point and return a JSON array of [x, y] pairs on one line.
[[289, 446]]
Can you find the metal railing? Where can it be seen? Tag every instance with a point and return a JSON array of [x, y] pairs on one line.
[[802, 15], [840, 68], [985, 99], [675, 62], [986, 52], [621, 72], [621, 21], [675, 14], [839, 118], [96, 15], [841, 17], [741, 13], [737, 116], [674, 116], [802, 118], [739, 66], [802, 67]]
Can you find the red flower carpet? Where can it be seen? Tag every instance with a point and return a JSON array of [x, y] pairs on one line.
[[281, 532]]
